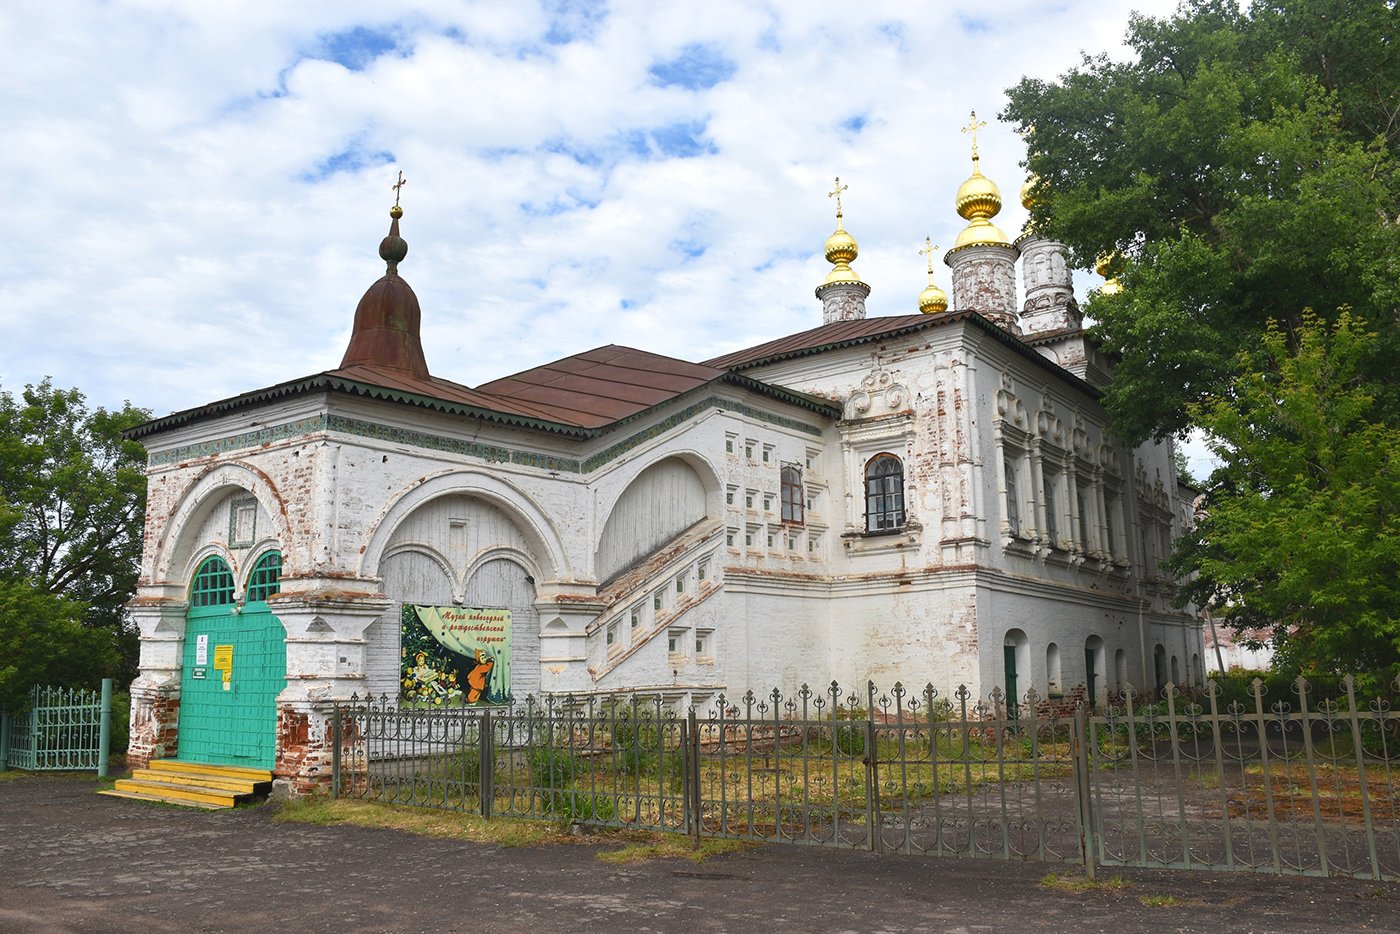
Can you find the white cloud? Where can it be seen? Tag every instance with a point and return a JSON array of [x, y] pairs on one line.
[[197, 190]]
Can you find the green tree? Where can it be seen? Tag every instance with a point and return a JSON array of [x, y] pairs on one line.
[[1240, 168], [43, 640], [72, 513], [1300, 534]]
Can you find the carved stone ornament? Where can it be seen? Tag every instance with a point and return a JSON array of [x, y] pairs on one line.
[[879, 394]]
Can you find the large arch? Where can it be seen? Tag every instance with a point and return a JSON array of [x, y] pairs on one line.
[[452, 545], [545, 544], [179, 543], [660, 500]]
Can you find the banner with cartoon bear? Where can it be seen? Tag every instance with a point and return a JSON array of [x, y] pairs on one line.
[[455, 655]]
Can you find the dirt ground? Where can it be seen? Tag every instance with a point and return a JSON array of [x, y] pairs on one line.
[[71, 860]]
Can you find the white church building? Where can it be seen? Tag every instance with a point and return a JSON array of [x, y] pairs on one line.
[[931, 497]]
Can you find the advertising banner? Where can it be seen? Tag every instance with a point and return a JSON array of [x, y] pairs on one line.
[[455, 655]]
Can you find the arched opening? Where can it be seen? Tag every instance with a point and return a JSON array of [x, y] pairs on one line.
[[663, 501], [504, 583], [1093, 669], [1053, 683], [456, 551], [1015, 669], [1159, 667], [234, 666]]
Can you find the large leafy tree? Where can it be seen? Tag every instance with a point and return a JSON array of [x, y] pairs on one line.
[[1300, 535], [1242, 171], [70, 523], [1241, 168]]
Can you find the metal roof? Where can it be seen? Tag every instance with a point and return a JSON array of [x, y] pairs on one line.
[[580, 396]]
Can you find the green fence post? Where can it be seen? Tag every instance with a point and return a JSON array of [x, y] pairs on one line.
[[104, 729], [4, 740]]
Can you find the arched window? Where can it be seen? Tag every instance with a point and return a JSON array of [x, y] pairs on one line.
[[212, 584], [793, 497], [884, 493], [263, 579]]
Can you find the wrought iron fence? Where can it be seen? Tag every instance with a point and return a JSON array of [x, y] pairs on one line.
[[1305, 785], [60, 729]]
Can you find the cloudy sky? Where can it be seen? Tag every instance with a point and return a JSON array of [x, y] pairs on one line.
[[196, 190]]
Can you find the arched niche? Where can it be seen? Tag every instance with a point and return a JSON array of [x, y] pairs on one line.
[[537, 535], [457, 549], [234, 508], [661, 502]]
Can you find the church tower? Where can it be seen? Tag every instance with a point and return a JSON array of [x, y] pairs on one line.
[[982, 259], [842, 294], [1045, 279]]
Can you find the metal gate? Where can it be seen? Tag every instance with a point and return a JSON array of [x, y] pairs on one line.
[[62, 729]]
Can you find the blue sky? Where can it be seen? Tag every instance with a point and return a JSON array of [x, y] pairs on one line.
[[199, 189]]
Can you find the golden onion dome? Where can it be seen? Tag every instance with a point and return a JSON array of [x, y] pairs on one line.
[[1028, 192], [841, 248], [1104, 265], [933, 300], [978, 201], [979, 195]]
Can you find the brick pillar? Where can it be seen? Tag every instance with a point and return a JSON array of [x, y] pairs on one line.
[[326, 657], [155, 694]]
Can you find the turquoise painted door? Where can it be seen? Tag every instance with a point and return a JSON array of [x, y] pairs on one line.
[[228, 704]]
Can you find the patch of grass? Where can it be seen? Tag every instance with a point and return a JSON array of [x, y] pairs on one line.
[[1077, 884], [500, 831], [665, 846], [1160, 901]]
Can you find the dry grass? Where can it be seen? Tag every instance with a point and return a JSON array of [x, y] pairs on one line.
[[1161, 901], [1078, 884], [663, 846], [500, 831]]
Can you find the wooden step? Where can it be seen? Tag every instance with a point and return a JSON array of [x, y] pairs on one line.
[[142, 796], [169, 790], [242, 786], [213, 770]]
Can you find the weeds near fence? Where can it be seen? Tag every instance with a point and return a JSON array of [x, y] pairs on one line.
[[1279, 785]]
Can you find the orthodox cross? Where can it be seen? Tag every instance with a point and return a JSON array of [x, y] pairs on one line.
[[398, 186], [972, 127], [836, 193], [929, 249]]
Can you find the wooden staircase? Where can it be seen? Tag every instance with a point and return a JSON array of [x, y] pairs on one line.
[[193, 784]]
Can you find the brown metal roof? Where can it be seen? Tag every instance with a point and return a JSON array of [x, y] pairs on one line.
[[600, 386], [830, 336], [436, 387]]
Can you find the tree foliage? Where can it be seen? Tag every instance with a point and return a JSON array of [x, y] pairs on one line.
[[43, 640], [1300, 534], [71, 517], [1241, 168]]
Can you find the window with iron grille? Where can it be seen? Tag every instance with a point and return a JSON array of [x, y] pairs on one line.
[[263, 580], [212, 584], [792, 495], [884, 493]]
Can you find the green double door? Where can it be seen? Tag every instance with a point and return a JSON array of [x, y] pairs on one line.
[[235, 665]]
